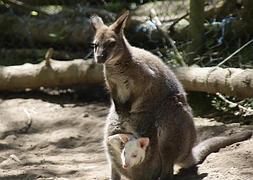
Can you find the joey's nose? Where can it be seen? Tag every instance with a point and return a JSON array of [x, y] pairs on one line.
[[125, 166]]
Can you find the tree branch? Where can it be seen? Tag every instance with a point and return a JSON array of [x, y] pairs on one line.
[[242, 109]]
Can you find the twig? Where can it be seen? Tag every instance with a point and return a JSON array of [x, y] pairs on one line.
[[168, 38], [246, 111], [88, 55], [48, 56], [177, 20], [174, 47], [234, 53], [229, 57]]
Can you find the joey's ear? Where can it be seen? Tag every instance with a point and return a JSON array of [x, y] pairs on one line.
[[120, 23], [114, 141], [144, 142], [124, 137], [117, 138], [111, 139], [96, 22]]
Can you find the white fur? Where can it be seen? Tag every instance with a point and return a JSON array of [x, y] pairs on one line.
[[123, 92], [134, 149], [132, 154]]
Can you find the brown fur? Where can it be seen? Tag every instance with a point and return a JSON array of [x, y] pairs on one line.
[[147, 101]]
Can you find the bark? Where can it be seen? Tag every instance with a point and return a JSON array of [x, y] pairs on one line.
[[220, 9], [49, 30], [196, 32], [24, 55], [53, 2], [247, 15], [57, 74], [70, 27], [166, 10], [230, 81]]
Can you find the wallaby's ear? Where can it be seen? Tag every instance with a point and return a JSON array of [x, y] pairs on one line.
[[96, 22], [144, 142], [120, 23], [124, 137]]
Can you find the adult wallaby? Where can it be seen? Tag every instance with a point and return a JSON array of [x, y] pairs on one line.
[[147, 100]]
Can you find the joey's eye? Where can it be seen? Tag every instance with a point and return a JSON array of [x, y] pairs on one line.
[[134, 155], [121, 145]]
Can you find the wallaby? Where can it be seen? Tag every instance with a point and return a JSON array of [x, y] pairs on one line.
[[148, 161], [146, 100], [134, 149]]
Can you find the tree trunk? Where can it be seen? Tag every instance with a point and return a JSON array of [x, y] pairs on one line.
[[197, 18], [247, 15], [222, 9], [230, 81]]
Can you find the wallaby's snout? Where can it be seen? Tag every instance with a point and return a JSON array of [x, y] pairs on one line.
[[100, 55], [104, 50]]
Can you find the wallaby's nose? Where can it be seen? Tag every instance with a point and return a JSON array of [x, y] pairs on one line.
[[125, 166], [101, 58]]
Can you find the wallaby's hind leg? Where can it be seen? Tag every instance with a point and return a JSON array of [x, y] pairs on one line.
[[188, 162], [167, 161], [114, 174], [167, 168], [166, 174]]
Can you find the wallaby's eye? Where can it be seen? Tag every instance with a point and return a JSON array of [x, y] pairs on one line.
[[94, 45], [110, 44]]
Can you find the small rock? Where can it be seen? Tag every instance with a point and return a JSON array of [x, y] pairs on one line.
[[85, 115]]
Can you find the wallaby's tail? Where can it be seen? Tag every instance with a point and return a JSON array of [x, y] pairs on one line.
[[203, 149]]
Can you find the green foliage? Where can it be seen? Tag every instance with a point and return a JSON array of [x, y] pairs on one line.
[[52, 9], [233, 110], [200, 103], [115, 6]]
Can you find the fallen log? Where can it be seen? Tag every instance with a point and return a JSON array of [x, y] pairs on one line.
[[47, 30], [55, 74], [229, 81], [19, 56], [50, 2], [67, 27]]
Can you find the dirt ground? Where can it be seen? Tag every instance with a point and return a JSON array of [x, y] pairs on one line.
[[50, 137]]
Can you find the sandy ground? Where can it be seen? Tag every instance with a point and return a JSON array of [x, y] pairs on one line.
[[58, 138]]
